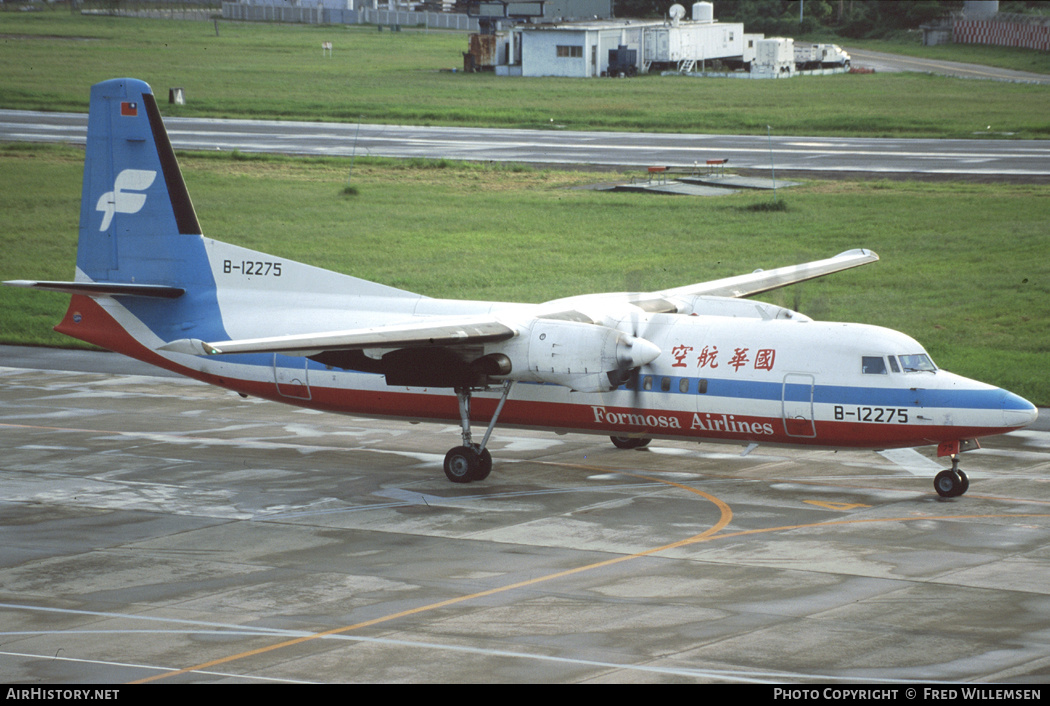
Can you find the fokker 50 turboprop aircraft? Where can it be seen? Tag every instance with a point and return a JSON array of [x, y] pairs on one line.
[[698, 362]]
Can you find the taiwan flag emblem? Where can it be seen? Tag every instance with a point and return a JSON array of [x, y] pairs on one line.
[[129, 110]]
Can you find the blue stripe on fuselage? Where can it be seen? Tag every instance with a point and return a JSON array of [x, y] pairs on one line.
[[847, 394]]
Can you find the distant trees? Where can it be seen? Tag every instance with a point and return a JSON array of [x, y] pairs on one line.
[[848, 18]]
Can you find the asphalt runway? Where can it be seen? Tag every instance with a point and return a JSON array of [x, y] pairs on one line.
[[979, 157], [156, 529]]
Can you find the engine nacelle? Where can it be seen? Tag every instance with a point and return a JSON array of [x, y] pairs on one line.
[[582, 356]]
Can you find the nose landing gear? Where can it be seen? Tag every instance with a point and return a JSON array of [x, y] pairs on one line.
[[951, 483]]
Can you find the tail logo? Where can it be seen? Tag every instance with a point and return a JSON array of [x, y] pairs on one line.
[[123, 198]]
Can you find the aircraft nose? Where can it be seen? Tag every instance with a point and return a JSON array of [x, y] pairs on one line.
[[1017, 411]]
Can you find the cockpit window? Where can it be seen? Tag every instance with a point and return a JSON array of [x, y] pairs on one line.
[[917, 363], [873, 365], [893, 364]]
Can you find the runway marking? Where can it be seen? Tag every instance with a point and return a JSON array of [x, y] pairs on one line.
[[835, 506], [107, 663], [735, 675]]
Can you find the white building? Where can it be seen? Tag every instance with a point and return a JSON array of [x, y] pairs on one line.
[[581, 49]]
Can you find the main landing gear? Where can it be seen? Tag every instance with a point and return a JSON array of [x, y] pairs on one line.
[[629, 442], [951, 483], [471, 461]]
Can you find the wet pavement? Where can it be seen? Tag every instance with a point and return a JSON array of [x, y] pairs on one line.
[[159, 529]]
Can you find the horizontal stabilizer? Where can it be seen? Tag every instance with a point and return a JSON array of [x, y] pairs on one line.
[[102, 289]]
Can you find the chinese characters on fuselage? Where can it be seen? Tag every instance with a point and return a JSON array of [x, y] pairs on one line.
[[762, 359]]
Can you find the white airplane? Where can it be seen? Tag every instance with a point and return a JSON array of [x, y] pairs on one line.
[[698, 362]]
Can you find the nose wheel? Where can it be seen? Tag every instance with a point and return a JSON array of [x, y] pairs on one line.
[[951, 483]]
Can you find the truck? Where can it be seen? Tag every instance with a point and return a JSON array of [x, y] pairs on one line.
[[820, 56], [774, 58]]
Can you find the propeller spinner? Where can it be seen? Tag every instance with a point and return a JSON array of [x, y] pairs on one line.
[[632, 352]]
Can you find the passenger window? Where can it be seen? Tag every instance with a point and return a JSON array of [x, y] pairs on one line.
[[665, 384], [647, 382], [701, 386], [683, 385], [873, 365]]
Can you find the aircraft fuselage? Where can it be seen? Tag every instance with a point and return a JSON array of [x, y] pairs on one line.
[[730, 379]]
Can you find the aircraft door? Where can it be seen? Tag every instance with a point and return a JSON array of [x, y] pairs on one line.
[[797, 401], [291, 375]]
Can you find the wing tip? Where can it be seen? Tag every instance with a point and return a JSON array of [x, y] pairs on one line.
[[871, 255]]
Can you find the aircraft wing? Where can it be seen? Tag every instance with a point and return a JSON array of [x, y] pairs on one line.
[[765, 280], [445, 332], [671, 301]]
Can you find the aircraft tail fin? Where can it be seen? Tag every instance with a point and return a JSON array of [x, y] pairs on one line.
[[136, 219]]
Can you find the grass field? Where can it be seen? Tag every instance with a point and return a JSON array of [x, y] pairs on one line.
[[964, 267], [278, 71]]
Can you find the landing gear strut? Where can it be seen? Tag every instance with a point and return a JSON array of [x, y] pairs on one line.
[[471, 461], [953, 483]]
